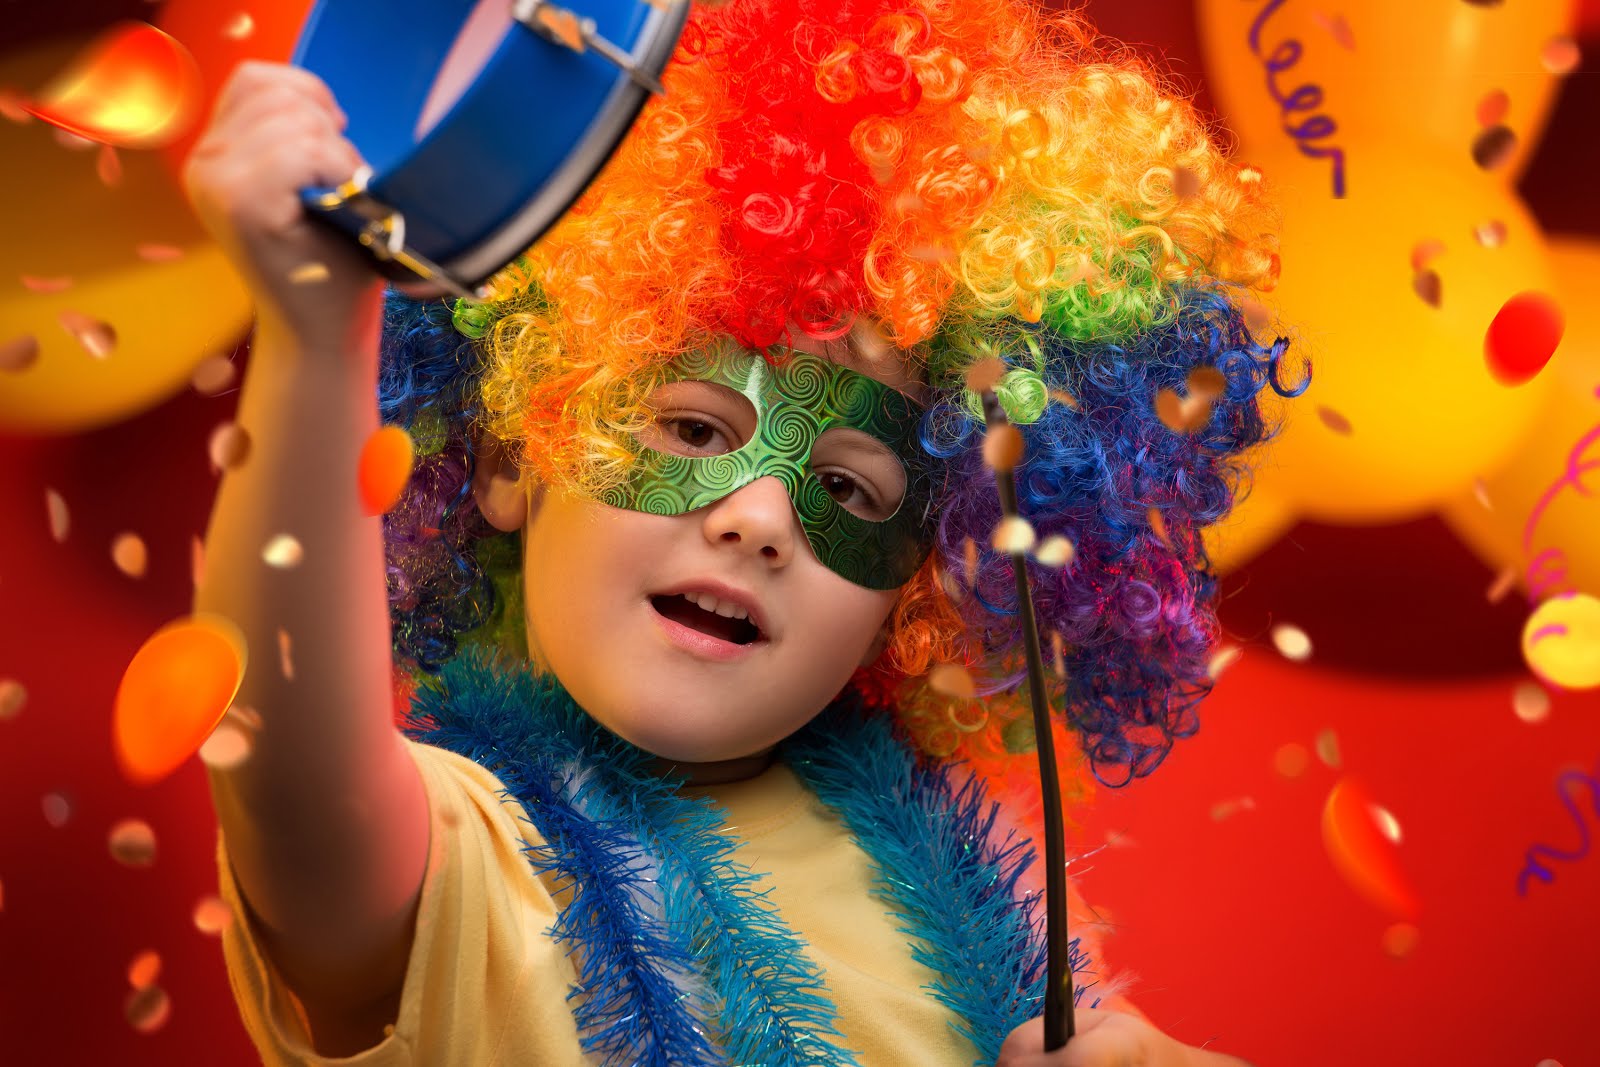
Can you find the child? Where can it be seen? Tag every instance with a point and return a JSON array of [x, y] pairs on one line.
[[699, 508]]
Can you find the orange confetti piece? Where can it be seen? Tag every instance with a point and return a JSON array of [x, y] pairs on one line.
[[60, 519], [1002, 447], [1058, 654], [173, 693], [133, 843], [212, 375], [1328, 749], [1334, 421], [1362, 854], [229, 446], [285, 655], [97, 338], [108, 167], [953, 680], [1400, 940], [1491, 234], [134, 87], [1055, 551], [1291, 760], [1560, 55], [1158, 526], [1013, 536], [19, 353], [57, 809], [145, 969], [211, 915], [384, 469], [155, 253], [35, 284], [129, 554], [1221, 660], [969, 554], [13, 698], [1429, 287], [1493, 108], [1531, 702], [283, 552], [1502, 585], [1291, 642], [985, 374], [240, 27], [148, 1009], [1494, 147], [197, 561], [1425, 252]]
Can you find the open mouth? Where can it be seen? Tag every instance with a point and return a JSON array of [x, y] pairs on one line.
[[687, 613]]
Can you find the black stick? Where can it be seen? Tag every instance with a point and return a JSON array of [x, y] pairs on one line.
[[1059, 1025]]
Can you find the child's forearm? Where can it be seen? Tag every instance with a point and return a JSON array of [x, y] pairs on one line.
[[327, 736], [1199, 1057]]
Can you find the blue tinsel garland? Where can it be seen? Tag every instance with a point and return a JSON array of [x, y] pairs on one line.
[[680, 962]]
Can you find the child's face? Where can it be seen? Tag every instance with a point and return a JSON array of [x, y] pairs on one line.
[[590, 573]]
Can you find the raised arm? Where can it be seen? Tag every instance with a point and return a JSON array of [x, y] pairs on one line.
[[326, 824]]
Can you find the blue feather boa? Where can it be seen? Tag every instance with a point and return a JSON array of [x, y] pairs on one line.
[[680, 962]]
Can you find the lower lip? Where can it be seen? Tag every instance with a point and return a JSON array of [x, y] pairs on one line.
[[703, 645]]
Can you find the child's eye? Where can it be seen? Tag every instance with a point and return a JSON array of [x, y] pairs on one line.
[[692, 432], [853, 495]]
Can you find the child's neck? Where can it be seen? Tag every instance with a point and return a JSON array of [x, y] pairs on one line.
[[720, 772]]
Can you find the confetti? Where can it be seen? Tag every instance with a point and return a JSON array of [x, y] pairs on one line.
[[384, 469], [283, 552], [984, 375], [60, 521], [1388, 825], [1058, 656], [1327, 746], [1002, 447], [969, 559], [1424, 252], [1523, 336], [1530, 702], [1334, 421], [1065, 399], [211, 915], [174, 691], [129, 554], [13, 698], [1494, 147], [145, 969], [197, 561], [1291, 760], [1503, 583], [1185, 183], [1191, 413], [309, 273], [1560, 56], [156, 253], [1493, 107], [1221, 660], [133, 843], [1013, 536], [1429, 287], [229, 745], [1400, 940], [1361, 853], [1257, 316], [239, 27], [35, 284], [1291, 642], [19, 353], [1337, 27], [229, 447], [108, 167], [212, 375], [1491, 234], [148, 1009], [951, 586], [563, 26], [1561, 641], [1225, 808], [1055, 551], [1480, 492], [57, 809], [285, 655], [97, 338], [952, 680]]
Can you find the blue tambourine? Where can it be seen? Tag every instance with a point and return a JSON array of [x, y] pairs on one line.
[[464, 172]]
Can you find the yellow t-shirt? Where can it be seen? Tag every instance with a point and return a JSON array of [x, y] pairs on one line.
[[486, 985]]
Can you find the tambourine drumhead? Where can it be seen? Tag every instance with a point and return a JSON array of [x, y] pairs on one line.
[[480, 132]]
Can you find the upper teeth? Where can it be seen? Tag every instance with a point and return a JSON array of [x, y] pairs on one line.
[[721, 607]]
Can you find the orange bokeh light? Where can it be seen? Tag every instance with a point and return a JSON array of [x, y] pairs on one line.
[[1361, 852], [173, 694], [385, 467]]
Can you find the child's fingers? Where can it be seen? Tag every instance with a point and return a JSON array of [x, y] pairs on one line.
[[252, 80], [258, 184]]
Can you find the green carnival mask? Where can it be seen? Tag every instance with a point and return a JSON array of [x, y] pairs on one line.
[[805, 423]]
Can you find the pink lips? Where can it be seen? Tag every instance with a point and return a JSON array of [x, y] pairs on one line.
[[703, 645]]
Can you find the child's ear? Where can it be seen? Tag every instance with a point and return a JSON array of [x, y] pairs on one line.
[[497, 485]]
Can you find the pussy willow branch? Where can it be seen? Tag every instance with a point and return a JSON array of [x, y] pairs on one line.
[[1059, 1025]]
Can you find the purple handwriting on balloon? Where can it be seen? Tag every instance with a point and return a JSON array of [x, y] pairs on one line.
[[1308, 97], [1565, 786], [1547, 570]]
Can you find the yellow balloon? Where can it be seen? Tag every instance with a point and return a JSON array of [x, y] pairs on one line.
[[1403, 411], [110, 294], [1537, 512], [1561, 641], [1254, 524], [1319, 77]]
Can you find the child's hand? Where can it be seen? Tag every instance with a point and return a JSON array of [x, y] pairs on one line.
[[275, 130], [1105, 1039]]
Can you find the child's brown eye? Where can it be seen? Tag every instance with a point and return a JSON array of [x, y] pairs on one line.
[[694, 433]]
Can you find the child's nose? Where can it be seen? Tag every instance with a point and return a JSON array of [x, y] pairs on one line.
[[758, 518]]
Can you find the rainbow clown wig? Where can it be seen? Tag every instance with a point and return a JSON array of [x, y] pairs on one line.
[[947, 182]]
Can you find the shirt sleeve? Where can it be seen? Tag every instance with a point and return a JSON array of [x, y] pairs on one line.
[[485, 983]]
